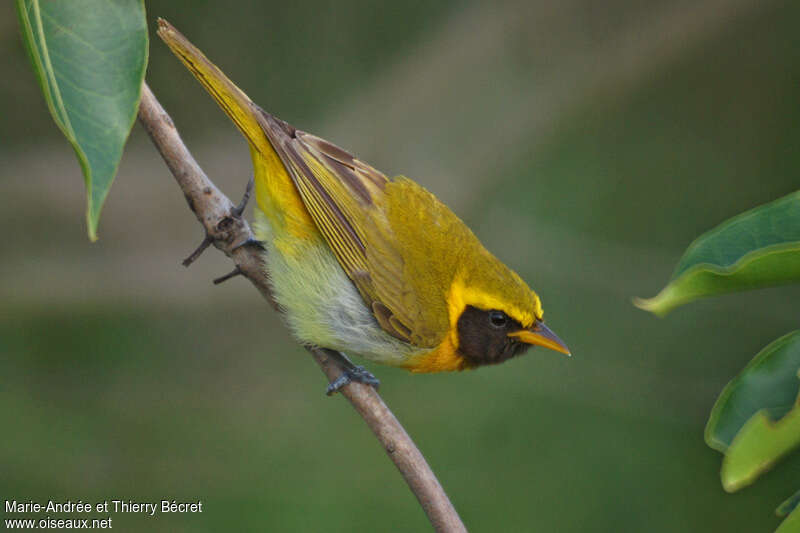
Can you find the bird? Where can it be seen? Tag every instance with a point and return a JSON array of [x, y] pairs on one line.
[[367, 265]]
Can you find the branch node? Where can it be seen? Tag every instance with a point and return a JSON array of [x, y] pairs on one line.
[[225, 224]]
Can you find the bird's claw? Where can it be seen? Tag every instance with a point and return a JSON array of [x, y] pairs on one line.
[[207, 240], [355, 373], [239, 209], [232, 274]]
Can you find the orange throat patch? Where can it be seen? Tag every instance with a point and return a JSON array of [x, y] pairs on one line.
[[444, 358]]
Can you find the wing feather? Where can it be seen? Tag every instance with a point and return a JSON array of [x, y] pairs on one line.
[[346, 199]]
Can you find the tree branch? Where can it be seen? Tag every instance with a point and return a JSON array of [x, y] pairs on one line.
[[227, 230]]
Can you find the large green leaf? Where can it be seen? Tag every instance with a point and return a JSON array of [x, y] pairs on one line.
[[758, 248], [768, 382], [757, 446], [90, 58]]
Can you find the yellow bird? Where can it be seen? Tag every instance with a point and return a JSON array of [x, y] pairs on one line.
[[369, 265]]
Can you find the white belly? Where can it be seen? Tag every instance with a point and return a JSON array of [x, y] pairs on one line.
[[322, 306]]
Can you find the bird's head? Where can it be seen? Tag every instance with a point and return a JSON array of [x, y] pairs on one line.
[[495, 315]]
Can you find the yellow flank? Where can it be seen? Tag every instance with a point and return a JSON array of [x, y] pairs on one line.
[[278, 199], [275, 192]]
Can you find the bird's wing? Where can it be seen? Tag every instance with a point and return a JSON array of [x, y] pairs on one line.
[[349, 202], [347, 199]]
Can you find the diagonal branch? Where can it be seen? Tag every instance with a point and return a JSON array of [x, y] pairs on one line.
[[227, 231]]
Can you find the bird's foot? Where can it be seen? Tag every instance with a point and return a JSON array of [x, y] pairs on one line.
[[236, 212], [238, 270], [354, 373]]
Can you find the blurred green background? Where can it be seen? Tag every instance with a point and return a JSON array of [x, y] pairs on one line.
[[586, 143]]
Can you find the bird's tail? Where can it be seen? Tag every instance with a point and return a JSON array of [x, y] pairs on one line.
[[236, 104], [275, 192]]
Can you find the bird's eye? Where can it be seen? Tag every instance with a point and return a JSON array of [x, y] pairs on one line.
[[498, 319]]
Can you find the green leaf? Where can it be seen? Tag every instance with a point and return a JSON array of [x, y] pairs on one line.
[[789, 505], [756, 448], [90, 58], [791, 524], [768, 382], [758, 248]]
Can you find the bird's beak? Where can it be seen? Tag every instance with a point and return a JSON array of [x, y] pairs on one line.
[[541, 335]]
